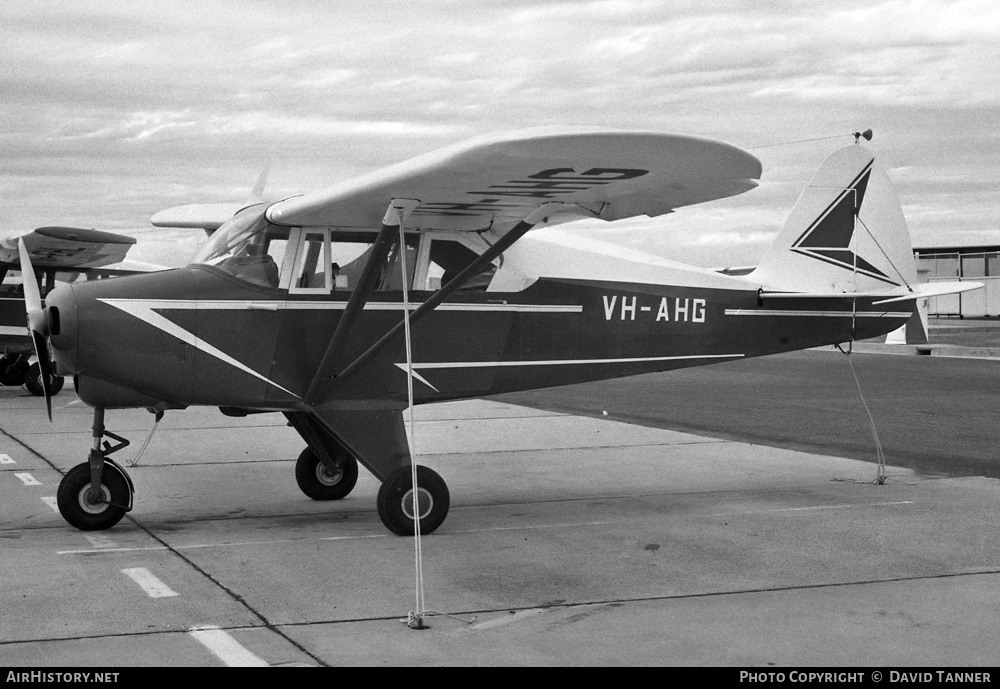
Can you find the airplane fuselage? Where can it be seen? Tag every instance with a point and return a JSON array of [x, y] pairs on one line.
[[197, 336]]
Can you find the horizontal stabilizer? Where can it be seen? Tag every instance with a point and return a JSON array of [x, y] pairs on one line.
[[921, 291], [935, 289]]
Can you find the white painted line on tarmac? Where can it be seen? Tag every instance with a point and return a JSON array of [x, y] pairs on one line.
[[195, 546], [51, 501], [506, 619], [523, 527], [88, 551], [27, 479], [99, 541], [5, 459], [815, 507], [225, 648], [153, 587]]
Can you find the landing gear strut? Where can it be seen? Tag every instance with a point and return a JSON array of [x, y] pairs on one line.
[[79, 503]]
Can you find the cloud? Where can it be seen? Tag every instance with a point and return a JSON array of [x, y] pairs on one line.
[[113, 110]]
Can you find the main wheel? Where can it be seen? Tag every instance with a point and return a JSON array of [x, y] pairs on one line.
[[395, 501], [12, 370], [318, 482], [33, 381], [77, 507]]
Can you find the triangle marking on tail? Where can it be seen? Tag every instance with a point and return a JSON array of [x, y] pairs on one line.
[[828, 238]]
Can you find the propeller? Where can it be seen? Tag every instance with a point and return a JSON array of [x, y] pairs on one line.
[[38, 322]]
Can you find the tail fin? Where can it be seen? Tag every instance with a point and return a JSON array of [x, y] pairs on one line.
[[845, 234]]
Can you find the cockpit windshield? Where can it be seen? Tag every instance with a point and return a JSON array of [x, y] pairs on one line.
[[247, 247]]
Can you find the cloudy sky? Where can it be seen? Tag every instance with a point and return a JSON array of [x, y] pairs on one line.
[[113, 110]]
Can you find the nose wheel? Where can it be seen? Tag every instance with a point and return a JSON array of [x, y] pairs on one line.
[[395, 501], [96, 495], [90, 510]]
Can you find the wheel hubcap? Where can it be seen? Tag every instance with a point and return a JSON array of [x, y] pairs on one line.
[[425, 502], [91, 507], [327, 477]]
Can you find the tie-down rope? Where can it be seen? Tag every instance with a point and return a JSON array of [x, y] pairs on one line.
[[880, 455], [415, 617]]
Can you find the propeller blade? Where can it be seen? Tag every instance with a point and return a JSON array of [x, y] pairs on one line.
[[32, 296], [37, 323], [45, 367]]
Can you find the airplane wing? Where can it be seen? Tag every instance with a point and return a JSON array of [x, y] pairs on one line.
[[209, 216], [493, 182], [204, 216], [67, 248]]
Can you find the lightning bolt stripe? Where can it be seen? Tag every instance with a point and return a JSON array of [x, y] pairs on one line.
[[566, 362], [818, 314], [143, 310], [402, 367], [277, 305]]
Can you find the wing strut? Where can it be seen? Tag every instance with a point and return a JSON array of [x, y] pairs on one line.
[[366, 283], [530, 220]]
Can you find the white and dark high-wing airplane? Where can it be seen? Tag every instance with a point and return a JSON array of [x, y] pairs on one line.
[[305, 306], [57, 253]]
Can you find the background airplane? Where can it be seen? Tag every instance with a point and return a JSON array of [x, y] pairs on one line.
[[303, 306], [58, 254]]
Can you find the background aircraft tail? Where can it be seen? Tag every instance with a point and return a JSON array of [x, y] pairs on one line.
[[846, 233]]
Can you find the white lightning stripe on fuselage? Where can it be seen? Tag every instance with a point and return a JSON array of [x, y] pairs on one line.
[[818, 314], [275, 305], [143, 310], [570, 362], [402, 367]]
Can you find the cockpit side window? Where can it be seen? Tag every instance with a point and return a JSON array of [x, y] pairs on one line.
[[312, 272], [443, 257], [324, 261]]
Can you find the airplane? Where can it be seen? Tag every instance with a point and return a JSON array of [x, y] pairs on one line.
[[421, 282], [58, 253]]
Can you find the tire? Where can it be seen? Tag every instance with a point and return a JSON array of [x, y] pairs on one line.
[[395, 501], [56, 385], [33, 381], [316, 481], [74, 507], [11, 370]]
